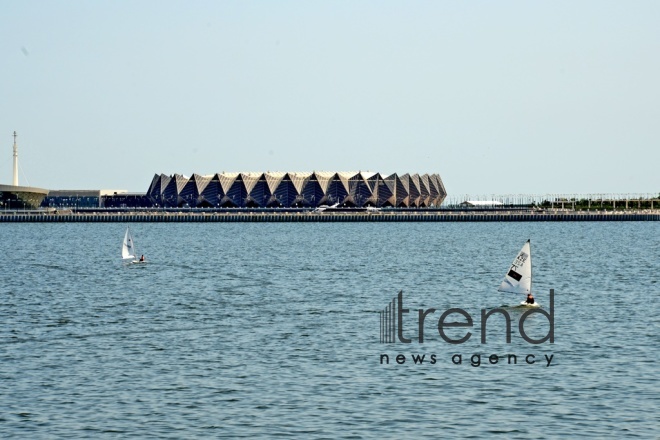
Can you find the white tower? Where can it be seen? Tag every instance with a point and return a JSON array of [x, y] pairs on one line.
[[15, 161]]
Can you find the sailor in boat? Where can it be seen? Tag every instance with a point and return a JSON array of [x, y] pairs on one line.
[[142, 260], [530, 298]]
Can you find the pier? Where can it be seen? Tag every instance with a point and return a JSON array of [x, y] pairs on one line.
[[310, 216]]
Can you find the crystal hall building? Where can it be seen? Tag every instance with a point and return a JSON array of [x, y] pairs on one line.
[[287, 190]]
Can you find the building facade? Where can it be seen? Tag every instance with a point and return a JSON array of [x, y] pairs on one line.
[[21, 197], [311, 189]]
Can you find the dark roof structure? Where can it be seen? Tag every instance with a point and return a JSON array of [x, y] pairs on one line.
[[311, 189]]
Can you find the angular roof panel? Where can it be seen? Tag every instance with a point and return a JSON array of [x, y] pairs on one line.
[[181, 181], [201, 182], [273, 180], [323, 177], [250, 179], [227, 180], [367, 174], [299, 180]]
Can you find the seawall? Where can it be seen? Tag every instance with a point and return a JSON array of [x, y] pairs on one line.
[[421, 216]]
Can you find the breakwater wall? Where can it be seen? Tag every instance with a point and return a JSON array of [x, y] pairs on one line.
[[392, 216]]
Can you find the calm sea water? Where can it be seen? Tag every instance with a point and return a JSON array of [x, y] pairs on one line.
[[272, 330]]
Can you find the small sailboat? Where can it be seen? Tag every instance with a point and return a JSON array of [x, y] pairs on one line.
[[128, 251], [519, 277]]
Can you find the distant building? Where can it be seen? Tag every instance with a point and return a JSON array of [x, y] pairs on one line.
[[20, 197], [127, 200], [79, 198], [482, 203], [311, 189]]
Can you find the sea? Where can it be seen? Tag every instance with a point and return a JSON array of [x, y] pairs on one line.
[[272, 330]]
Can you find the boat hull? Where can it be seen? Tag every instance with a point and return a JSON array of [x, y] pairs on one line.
[[526, 304]]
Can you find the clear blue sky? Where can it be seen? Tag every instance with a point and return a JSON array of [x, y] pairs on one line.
[[498, 97]]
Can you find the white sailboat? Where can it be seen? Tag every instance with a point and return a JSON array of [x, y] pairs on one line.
[[519, 277], [128, 251]]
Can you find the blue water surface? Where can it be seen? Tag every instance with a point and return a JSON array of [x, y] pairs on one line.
[[272, 330]]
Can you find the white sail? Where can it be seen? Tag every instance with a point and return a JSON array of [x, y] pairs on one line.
[[519, 277], [128, 247]]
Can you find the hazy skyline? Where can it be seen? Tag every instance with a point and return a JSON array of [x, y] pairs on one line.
[[496, 97]]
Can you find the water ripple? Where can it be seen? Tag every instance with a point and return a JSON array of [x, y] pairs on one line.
[[271, 330]]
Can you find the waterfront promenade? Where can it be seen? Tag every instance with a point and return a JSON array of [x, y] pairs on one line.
[[344, 216]]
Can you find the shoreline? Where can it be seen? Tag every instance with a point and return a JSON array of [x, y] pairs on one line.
[[309, 216]]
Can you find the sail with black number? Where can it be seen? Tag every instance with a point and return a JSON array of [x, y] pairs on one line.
[[519, 277]]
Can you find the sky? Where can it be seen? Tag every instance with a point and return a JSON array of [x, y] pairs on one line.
[[506, 97]]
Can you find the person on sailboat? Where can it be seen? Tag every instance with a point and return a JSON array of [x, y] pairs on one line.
[[530, 298], [142, 259]]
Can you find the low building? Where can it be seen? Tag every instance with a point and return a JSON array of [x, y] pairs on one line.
[[21, 197], [127, 200], [78, 198]]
